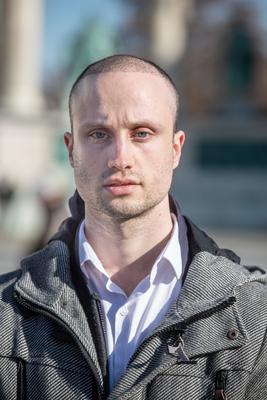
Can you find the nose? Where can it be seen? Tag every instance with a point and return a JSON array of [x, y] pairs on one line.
[[121, 156]]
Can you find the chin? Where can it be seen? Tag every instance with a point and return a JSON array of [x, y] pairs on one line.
[[125, 211], [128, 208]]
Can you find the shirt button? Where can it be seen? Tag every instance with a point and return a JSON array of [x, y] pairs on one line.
[[123, 311]]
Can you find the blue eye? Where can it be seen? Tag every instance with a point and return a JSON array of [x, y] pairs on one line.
[[142, 134], [98, 135]]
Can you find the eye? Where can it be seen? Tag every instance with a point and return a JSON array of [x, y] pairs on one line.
[[142, 134], [99, 136]]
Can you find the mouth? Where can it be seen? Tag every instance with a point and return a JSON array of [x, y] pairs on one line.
[[120, 187]]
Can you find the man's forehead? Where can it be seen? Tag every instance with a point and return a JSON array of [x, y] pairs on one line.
[[92, 83]]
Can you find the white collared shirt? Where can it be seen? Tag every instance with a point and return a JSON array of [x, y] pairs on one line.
[[129, 320]]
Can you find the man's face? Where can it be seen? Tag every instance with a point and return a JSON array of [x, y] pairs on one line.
[[123, 149]]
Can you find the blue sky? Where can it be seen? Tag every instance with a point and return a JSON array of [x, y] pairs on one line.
[[62, 20]]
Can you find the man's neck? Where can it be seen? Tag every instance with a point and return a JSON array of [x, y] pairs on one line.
[[129, 249]]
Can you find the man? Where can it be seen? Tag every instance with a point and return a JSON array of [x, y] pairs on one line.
[[130, 300]]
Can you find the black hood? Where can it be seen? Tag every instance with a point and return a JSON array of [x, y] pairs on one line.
[[67, 229]]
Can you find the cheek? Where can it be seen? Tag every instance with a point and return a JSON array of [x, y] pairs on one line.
[[89, 167], [85, 156], [160, 168], [162, 157]]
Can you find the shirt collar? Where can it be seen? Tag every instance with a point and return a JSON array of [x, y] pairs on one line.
[[87, 253], [170, 255]]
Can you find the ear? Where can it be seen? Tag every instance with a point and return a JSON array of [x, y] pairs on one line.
[[178, 141], [68, 140]]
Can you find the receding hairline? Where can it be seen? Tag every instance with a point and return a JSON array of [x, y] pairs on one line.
[[123, 63]]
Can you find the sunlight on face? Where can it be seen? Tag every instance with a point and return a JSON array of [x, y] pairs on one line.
[[123, 149]]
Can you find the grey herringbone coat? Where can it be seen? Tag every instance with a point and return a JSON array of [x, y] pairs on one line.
[[211, 345]]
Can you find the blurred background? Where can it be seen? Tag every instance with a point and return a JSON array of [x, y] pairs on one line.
[[216, 52]]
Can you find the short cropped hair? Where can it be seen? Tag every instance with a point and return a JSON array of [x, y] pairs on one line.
[[124, 63]]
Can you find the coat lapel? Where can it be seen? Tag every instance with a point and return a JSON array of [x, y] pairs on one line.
[[48, 287]]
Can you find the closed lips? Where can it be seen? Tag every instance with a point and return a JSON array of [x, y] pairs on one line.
[[121, 183]]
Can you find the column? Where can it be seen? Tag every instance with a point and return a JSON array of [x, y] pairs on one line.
[[169, 30], [21, 87]]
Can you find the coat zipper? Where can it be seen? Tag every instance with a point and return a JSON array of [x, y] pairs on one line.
[[42, 311], [103, 326], [220, 385], [21, 380]]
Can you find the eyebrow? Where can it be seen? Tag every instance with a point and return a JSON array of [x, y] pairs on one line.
[[154, 125], [94, 124]]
